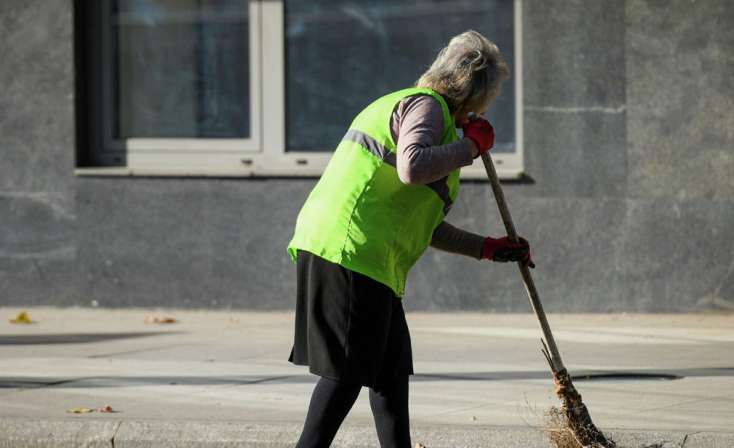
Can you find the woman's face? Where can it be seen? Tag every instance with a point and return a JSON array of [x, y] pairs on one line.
[[463, 115]]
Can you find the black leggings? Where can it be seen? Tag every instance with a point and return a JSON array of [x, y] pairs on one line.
[[332, 400]]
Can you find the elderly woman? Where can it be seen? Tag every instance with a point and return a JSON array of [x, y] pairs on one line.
[[380, 203]]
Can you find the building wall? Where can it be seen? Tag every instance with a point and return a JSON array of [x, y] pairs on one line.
[[629, 128]]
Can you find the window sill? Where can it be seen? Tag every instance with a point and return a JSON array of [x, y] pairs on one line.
[[159, 172], [468, 174]]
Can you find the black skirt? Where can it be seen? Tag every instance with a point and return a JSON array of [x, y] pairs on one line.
[[349, 327]]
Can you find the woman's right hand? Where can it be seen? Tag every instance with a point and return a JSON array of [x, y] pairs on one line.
[[481, 132], [503, 250]]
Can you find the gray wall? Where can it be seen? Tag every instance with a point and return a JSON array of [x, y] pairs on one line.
[[629, 129]]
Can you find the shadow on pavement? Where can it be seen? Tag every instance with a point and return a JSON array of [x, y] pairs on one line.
[[248, 380], [74, 338]]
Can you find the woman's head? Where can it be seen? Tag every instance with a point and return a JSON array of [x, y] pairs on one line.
[[467, 73]]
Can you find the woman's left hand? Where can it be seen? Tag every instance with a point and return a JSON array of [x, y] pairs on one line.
[[503, 250]]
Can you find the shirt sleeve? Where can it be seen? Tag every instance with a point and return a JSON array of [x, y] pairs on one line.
[[452, 239], [417, 126]]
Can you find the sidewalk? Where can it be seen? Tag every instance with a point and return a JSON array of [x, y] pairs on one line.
[[220, 378]]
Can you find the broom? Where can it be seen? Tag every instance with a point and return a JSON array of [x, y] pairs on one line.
[[577, 417]]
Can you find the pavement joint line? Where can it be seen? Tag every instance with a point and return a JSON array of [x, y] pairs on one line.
[[624, 390], [667, 406], [564, 334], [647, 335], [453, 411], [114, 434], [142, 350]]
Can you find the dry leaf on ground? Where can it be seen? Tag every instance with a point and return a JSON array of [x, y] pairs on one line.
[[160, 320], [22, 318], [80, 410]]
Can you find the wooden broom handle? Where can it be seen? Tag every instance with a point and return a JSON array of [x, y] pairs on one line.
[[524, 270]]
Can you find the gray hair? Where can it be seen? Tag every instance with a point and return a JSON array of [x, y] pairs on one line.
[[467, 72]]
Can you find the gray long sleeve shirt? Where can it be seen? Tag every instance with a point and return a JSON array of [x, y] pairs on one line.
[[417, 127]]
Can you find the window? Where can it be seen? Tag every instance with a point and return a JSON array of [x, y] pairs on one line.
[[237, 87]]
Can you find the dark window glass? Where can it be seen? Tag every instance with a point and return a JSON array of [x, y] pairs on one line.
[[180, 68], [343, 55]]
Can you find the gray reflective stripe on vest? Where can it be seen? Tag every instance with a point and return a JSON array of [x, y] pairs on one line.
[[440, 187], [371, 145]]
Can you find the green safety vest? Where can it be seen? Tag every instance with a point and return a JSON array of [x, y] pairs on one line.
[[360, 215]]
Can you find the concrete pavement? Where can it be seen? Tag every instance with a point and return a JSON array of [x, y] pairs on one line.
[[220, 378]]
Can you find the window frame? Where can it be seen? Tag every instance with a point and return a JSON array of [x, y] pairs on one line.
[[264, 154]]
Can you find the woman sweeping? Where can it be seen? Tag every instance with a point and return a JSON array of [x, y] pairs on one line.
[[380, 203]]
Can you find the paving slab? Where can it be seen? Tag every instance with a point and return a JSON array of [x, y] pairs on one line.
[[224, 434], [16, 433]]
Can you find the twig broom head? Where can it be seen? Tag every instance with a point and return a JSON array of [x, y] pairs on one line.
[[557, 430], [573, 418]]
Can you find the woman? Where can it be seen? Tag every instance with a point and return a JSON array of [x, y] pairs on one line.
[[379, 204]]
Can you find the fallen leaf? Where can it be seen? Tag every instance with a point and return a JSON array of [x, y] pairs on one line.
[[107, 408], [80, 410], [160, 320], [22, 318]]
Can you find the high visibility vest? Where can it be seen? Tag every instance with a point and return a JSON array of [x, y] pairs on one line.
[[360, 215]]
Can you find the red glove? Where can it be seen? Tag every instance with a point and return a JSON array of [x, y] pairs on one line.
[[481, 132], [502, 249]]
